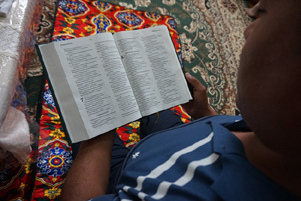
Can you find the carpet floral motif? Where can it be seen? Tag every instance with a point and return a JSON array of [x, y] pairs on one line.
[[35, 71], [56, 161], [129, 19], [102, 6], [230, 6], [43, 36], [73, 7], [152, 16], [55, 154], [101, 22]]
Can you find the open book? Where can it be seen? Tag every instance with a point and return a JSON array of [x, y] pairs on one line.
[[104, 81]]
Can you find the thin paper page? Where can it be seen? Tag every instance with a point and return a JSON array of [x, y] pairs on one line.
[[153, 69], [138, 71], [110, 61], [63, 94], [86, 73]]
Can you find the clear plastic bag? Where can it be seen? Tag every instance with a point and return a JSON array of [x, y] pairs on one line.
[[17, 31]]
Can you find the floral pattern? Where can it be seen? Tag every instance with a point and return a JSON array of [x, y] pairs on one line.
[[43, 35], [102, 23], [68, 30], [55, 156], [69, 20], [54, 162], [48, 97], [129, 19], [187, 48], [172, 24], [134, 137], [169, 2], [44, 23], [152, 16], [57, 133], [52, 193], [72, 7], [102, 6], [135, 124], [230, 6], [142, 3]]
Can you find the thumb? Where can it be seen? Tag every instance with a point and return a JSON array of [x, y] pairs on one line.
[[194, 82]]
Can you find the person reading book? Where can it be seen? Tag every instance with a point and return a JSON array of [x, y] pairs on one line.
[[253, 157]]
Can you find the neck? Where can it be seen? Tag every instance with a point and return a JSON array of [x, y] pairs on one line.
[[282, 169]]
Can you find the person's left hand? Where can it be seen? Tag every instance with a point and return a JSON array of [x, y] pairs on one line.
[[198, 107]]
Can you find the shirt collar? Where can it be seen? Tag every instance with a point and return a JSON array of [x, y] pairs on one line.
[[224, 142], [239, 179]]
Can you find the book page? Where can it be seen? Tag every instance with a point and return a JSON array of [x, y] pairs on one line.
[[153, 68], [100, 88]]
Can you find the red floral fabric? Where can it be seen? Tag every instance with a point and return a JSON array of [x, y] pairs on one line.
[[55, 154]]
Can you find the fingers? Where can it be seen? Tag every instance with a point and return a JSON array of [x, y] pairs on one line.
[[194, 82], [253, 11]]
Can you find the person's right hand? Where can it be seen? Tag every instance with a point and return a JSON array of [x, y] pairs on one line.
[[198, 107]]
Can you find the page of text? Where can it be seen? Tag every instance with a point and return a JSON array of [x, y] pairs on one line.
[[97, 79], [153, 68]]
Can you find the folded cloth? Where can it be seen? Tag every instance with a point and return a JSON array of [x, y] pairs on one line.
[[5, 5]]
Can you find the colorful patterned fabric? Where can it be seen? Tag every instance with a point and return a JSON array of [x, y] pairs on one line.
[[78, 18], [44, 33], [55, 154], [35, 71]]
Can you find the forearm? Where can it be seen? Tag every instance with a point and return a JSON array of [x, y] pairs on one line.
[[88, 176]]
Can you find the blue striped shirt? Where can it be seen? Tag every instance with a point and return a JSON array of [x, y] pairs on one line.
[[201, 160]]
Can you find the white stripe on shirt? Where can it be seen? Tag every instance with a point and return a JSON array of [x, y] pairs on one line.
[[170, 162]]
